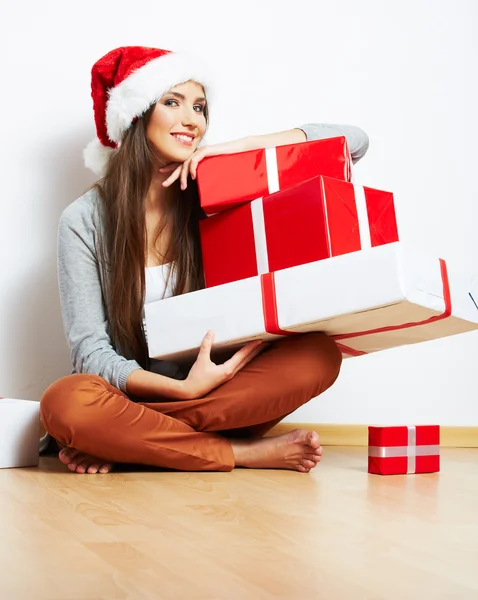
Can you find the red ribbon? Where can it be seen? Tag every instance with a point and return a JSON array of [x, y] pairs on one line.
[[350, 351], [444, 315], [269, 306], [271, 317]]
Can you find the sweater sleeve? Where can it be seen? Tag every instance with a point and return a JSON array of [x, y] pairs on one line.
[[81, 298], [357, 139]]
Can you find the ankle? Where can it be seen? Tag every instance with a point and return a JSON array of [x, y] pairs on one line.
[[241, 451]]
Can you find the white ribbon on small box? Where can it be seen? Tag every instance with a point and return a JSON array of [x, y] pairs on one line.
[[258, 223], [411, 450]]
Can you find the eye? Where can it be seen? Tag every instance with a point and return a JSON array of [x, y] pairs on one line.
[[168, 102], [201, 108]]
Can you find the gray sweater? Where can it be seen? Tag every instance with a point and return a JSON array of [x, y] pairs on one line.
[[81, 285]]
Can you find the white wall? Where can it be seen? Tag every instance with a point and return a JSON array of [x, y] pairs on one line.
[[405, 72]]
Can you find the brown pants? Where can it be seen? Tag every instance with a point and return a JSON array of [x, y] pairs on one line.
[[87, 413]]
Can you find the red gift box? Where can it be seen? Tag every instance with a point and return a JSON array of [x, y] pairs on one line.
[[317, 219], [232, 179], [401, 450]]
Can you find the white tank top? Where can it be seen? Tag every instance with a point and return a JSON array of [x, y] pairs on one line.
[[156, 277], [156, 288]]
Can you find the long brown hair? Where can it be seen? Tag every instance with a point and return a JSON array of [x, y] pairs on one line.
[[123, 191]]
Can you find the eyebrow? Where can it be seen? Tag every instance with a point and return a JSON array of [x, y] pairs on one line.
[[182, 97]]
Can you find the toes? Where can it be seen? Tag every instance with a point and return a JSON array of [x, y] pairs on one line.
[[84, 465], [76, 462], [312, 439], [308, 464], [302, 469], [97, 468], [66, 455], [314, 457]]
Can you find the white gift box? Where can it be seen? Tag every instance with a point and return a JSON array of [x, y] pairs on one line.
[[19, 433], [368, 301]]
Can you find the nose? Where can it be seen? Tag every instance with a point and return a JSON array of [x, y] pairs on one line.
[[189, 117]]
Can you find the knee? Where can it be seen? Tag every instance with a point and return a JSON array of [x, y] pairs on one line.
[[327, 350], [64, 401], [321, 359]]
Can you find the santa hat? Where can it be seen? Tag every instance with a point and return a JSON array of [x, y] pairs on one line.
[[124, 84]]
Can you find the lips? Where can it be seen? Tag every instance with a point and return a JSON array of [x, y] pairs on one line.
[[184, 138]]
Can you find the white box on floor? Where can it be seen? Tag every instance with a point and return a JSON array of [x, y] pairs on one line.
[[368, 301], [19, 433]]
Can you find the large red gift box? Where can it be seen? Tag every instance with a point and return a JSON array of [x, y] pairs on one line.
[[229, 180], [314, 220], [400, 450]]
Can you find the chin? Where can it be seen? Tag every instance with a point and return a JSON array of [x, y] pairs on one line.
[[180, 154], [185, 154]]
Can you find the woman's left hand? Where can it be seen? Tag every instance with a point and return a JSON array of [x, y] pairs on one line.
[[189, 167]]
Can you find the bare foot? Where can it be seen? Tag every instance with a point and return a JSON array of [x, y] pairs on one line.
[[79, 462], [299, 450]]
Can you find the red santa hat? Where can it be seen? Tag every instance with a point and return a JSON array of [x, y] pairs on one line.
[[124, 84]]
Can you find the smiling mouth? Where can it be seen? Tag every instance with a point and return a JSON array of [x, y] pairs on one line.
[[187, 140]]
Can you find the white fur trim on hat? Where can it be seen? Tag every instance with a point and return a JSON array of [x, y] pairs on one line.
[[96, 156], [145, 86]]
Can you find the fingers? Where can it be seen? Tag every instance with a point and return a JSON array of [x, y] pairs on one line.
[[197, 156], [206, 345], [251, 356], [241, 357], [172, 178], [184, 174], [183, 170]]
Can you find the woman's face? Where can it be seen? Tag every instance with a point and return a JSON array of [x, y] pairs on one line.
[[178, 122]]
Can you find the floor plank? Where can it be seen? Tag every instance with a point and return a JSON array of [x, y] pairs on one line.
[[336, 533]]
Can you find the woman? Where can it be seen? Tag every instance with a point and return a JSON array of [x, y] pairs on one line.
[[132, 239]]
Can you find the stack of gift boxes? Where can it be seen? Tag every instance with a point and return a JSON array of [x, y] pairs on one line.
[[290, 245]]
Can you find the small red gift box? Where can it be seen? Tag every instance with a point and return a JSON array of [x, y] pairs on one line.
[[232, 179], [317, 219], [399, 450]]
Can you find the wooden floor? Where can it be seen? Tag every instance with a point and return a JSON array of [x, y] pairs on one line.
[[337, 533]]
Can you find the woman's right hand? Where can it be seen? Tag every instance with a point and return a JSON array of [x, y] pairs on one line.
[[205, 375]]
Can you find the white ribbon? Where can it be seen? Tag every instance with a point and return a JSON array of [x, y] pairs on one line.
[[412, 443], [260, 241], [272, 172], [257, 210], [363, 222], [396, 451]]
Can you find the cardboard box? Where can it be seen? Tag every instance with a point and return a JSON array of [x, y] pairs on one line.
[[19, 433], [368, 301]]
